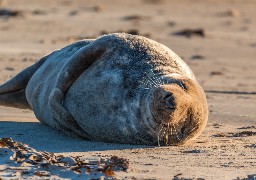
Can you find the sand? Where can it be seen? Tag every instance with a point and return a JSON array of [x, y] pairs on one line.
[[216, 38]]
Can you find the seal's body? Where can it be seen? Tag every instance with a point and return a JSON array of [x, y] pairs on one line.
[[117, 88]]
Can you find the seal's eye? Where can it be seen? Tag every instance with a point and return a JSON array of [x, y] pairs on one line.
[[169, 94], [169, 101]]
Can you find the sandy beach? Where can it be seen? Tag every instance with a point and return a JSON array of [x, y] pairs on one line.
[[215, 38]]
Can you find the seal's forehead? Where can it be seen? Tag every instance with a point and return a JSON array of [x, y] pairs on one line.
[[158, 52]]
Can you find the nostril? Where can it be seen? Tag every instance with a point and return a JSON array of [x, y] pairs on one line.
[[172, 107], [182, 130], [169, 101]]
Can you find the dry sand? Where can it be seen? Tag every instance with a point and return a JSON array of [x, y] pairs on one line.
[[221, 51]]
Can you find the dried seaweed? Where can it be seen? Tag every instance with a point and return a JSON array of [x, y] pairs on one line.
[[42, 161]]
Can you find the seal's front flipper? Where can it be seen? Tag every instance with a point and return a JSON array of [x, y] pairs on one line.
[[12, 92], [65, 120], [73, 68]]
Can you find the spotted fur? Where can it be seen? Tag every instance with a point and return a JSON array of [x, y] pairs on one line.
[[98, 89]]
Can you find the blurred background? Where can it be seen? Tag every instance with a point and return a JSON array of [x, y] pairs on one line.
[[215, 37]]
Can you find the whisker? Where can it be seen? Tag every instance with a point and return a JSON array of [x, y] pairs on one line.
[[167, 134], [193, 128], [158, 140], [151, 80], [161, 127], [176, 133], [152, 77]]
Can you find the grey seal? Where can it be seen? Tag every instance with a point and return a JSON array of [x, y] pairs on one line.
[[119, 88]]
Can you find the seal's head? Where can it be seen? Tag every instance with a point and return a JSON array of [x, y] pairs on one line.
[[180, 111]]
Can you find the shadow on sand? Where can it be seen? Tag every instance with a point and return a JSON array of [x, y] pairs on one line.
[[43, 138]]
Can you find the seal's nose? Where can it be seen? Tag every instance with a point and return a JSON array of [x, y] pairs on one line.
[[169, 101]]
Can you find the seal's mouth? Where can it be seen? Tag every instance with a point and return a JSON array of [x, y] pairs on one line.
[[174, 133]]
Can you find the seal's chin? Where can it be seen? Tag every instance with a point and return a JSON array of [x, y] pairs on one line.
[[178, 133], [178, 114]]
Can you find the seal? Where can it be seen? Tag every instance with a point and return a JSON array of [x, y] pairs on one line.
[[119, 88]]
